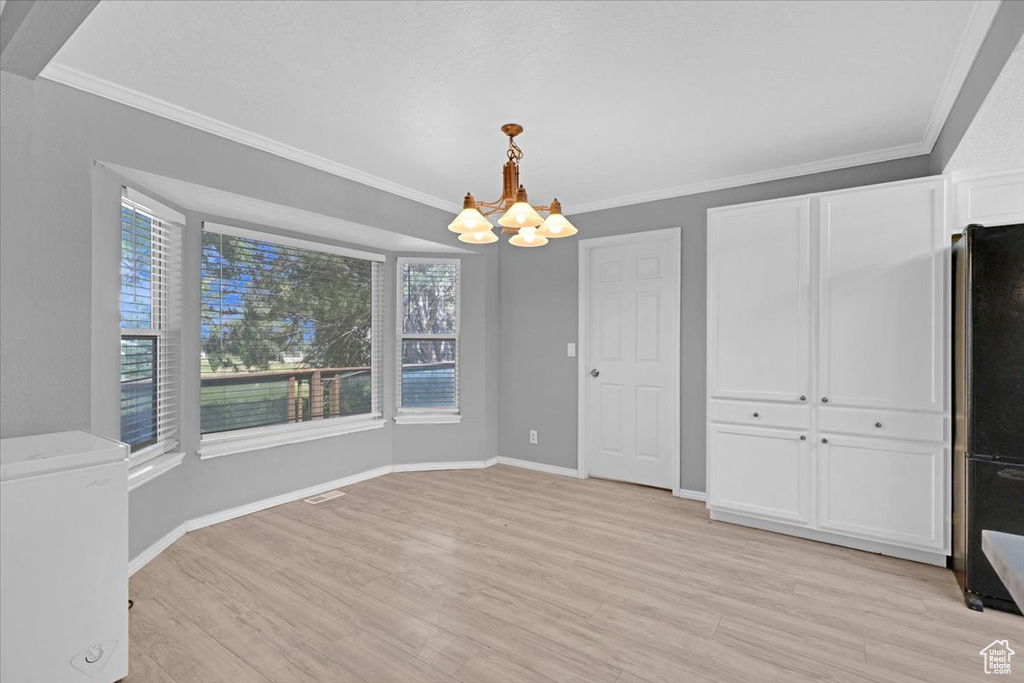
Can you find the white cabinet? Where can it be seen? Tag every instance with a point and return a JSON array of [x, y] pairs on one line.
[[990, 199], [880, 281], [827, 398], [776, 469], [881, 489], [759, 301]]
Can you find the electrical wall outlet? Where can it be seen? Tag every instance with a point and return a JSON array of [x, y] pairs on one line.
[[533, 436]]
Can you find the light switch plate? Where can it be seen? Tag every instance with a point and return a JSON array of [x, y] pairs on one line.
[[571, 350]]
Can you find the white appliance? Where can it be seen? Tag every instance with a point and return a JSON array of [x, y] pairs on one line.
[[63, 559]]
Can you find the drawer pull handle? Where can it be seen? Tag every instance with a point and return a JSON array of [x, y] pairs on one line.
[[824, 399], [824, 440], [803, 438], [757, 414], [802, 397], [878, 425]]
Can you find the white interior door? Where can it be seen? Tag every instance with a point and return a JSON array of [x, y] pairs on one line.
[[631, 430]]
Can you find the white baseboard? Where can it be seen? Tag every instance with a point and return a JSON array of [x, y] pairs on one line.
[[249, 508], [537, 466], [138, 562], [143, 558], [432, 466], [690, 495]]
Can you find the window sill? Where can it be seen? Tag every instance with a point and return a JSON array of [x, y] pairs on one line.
[[428, 418], [141, 473], [153, 452], [261, 439]]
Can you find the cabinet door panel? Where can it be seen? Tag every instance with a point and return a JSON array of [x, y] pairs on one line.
[[760, 471], [882, 489], [758, 301], [881, 298]]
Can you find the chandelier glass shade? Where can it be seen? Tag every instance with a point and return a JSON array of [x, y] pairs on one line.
[[527, 237], [556, 225], [478, 237], [470, 219], [520, 215], [519, 219]]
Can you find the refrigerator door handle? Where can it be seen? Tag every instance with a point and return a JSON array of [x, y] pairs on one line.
[[1015, 473]]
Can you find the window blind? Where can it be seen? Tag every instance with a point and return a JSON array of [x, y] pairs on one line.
[[289, 333], [150, 305], [428, 328]]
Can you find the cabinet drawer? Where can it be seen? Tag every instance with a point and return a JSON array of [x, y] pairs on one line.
[[761, 414], [882, 423]]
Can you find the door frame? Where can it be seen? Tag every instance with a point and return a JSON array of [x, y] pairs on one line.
[[586, 246]]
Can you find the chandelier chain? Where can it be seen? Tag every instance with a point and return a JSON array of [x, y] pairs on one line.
[[514, 153]]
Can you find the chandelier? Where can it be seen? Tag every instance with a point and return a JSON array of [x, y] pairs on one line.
[[520, 219]]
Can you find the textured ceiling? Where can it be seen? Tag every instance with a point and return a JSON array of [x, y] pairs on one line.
[[621, 101], [995, 139]]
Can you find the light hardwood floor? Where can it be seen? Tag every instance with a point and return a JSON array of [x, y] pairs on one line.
[[509, 575]]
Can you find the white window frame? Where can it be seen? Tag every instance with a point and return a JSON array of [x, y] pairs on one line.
[[162, 335], [427, 415], [253, 439]]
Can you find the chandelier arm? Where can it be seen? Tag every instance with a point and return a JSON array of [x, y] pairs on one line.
[[500, 201]]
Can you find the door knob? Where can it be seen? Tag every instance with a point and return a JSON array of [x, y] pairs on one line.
[[595, 372]]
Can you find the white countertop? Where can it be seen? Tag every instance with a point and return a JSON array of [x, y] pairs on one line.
[[1006, 553]]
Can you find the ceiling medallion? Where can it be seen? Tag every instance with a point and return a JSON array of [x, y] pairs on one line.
[[520, 219]]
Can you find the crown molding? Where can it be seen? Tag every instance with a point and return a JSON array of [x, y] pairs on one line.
[[978, 24], [73, 78], [977, 29], [833, 164]]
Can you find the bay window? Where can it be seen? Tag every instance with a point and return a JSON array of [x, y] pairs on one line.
[[150, 308], [290, 338], [428, 340]]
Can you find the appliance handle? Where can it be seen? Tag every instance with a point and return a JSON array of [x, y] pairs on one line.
[[1015, 473]]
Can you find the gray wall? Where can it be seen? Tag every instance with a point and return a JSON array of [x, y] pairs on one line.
[[520, 306], [539, 314], [539, 297], [49, 262], [1003, 36]]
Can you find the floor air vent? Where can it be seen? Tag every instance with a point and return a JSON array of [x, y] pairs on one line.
[[323, 496]]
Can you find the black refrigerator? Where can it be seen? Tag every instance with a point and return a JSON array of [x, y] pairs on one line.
[[988, 403]]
